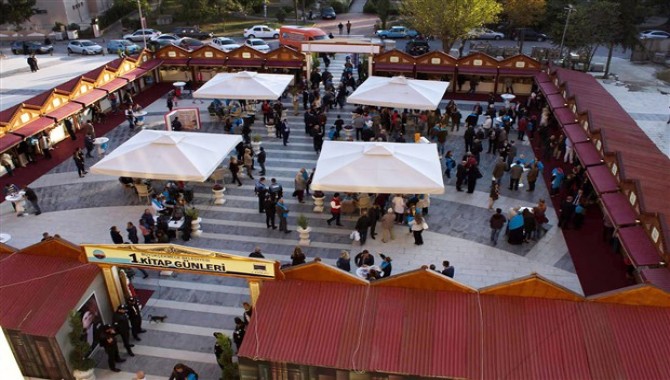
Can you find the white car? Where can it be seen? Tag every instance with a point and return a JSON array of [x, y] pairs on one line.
[[261, 31], [258, 44], [225, 43], [654, 35], [485, 34], [141, 34], [84, 47]]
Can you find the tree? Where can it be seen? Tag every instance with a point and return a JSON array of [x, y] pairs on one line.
[[523, 14], [383, 11], [449, 20], [79, 359], [16, 12], [193, 10]]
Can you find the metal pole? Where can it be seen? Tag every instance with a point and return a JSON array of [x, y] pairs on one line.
[[144, 36], [570, 9]]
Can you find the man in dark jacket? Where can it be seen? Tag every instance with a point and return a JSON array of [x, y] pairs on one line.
[[497, 222], [261, 160], [182, 372], [31, 197], [108, 342], [374, 215], [122, 327], [469, 137], [364, 258], [566, 211], [135, 317], [362, 225], [461, 174]]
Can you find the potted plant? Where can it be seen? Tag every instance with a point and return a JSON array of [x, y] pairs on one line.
[[193, 213], [303, 230], [224, 355], [318, 197], [82, 366], [218, 194], [256, 143]]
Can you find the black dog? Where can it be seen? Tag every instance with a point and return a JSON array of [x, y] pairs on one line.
[[157, 318]]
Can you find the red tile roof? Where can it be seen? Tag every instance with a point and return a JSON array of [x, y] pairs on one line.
[[454, 334], [38, 292]]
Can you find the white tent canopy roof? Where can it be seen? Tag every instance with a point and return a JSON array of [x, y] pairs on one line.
[[168, 155], [399, 92], [244, 85], [377, 167]]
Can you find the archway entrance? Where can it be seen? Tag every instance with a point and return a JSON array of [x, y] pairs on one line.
[[340, 45], [176, 258]]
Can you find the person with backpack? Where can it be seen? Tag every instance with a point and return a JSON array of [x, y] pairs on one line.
[[261, 190]]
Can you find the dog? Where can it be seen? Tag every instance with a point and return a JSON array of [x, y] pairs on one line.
[[157, 318]]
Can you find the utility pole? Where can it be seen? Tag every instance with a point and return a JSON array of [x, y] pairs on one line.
[[142, 24], [569, 9]]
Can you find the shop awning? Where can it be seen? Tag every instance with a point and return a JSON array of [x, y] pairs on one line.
[[565, 116], [90, 97], [477, 70], [8, 141], [435, 69], [548, 88], [35, 126], [114, 85], [508, 71], [619, 209], [588, 154], [394, 67], [542, 77], [241, 62], [638, 245], [659, 277], [63, 112], [151, 64], [556, 101], [134, 74], [175, 62], [602, 179], [575, 133], [207, 62], [283, 64]]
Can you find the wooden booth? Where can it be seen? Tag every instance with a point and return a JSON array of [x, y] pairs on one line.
[[393, 63], [479, 70], [245, 58], [436, 65], [206, 62], [285, 60], [175, 64], [518, 72]]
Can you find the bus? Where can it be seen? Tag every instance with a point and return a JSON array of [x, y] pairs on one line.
[[294, 36]]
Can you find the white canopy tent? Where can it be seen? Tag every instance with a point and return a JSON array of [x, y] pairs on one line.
[[399, 92], [377, 167], [168, 155], [244, 85]]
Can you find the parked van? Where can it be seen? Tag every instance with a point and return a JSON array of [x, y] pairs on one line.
[[294, 36]]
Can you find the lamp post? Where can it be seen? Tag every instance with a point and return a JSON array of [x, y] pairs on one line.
[[569, 9], [142, 24]]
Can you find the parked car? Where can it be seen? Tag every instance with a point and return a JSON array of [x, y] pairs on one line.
[[31, 47], [417, 47], [485, 34], [189, 43], [328, 13], [113, 47], [654, 35], [397, 32], [193, 32], [142, 34], [261, 31], [84, 47], [225, 43], [529, 35], [165, 39], [258, 44]]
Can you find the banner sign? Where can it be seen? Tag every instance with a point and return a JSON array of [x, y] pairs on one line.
[[170, 256]]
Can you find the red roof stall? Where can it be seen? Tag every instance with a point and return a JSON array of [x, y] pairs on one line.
[[284, 57], [617, 207], [601, 178], [575, 133], [638, 246], [435, 62], [588, 155], [395, 62], [565, 116], [245, 57]]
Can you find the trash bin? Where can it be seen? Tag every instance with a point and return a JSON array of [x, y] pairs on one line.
[[72, 34]]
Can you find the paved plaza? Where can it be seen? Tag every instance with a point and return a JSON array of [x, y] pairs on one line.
[[83, 209]]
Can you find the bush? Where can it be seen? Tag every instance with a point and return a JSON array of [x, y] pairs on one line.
[[73, 26], [113, 14], [130, 23], [58, 27], [370, 7], [281, 15], [338, 6]]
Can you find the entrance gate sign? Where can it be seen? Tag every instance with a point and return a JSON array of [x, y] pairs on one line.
[[175, 257]]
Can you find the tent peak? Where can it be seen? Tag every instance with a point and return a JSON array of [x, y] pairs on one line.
[[399, 80], [247, 74], [378, 150], [168, 140]]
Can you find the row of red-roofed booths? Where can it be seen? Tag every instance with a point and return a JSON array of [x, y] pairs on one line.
[[625, 167]]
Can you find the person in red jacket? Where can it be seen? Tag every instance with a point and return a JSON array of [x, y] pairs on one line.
[[522, 126], [335, 206]]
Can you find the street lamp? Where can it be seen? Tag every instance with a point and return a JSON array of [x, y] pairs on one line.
[[142, 24], [568, 9]]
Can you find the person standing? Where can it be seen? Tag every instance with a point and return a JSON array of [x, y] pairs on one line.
[[257, 253], [515, 173], [417, 226], [532, 175], [132, 233], [300, 184], [348, 27], [499, 170], [234, 168], [374, 215], [344, 261], [122, 327], [362, 225], [170, 102], [116, 235], [32, 63], [473, 175], [298, 256], [449, 163], [270, 211], [448, 269], [70, 129], [130, 118], [135, 315], [45, 145], [261, 190], [282, 211], [386, 266], [89, 144], [248, 162], [108, 342], [183, 372], [566, 212], [78, 158], [239, 332], [388, 222], [261, 160], [275, 189], [335, 209], [176, 125], [285, 131], [461, 175], [340, 27], [496, 223], [31, 197], [494, 194]]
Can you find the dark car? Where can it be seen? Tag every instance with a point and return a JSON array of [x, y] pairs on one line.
[[193, 32], [190, 43], [417, 47], [328, 13], [529, 35], [31, 47]]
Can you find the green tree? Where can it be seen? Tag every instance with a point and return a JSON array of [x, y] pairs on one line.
[[523, 14], [79, 359], [16, 12], [449, 20], [194, 10], [383, 11]]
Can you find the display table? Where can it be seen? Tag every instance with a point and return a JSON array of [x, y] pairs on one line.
[[4, 238], [179, 88], [508, 98], [139, 117], [101, 144], [17, 200]]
